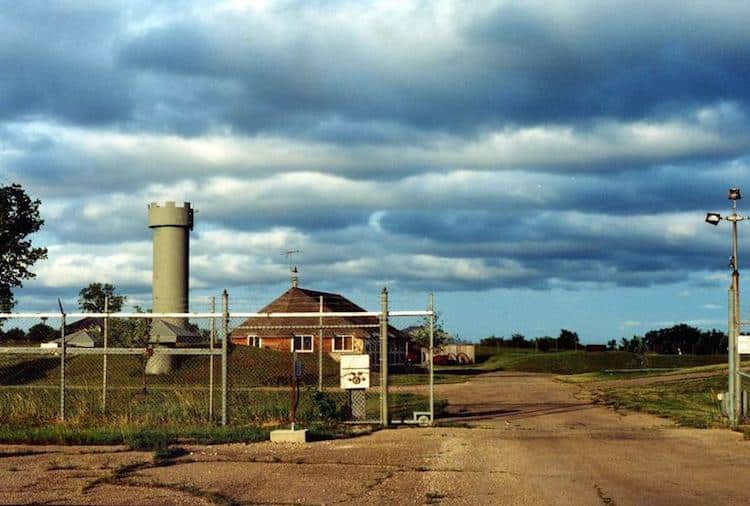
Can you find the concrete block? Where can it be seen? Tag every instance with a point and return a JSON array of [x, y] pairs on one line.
[[289, 436]]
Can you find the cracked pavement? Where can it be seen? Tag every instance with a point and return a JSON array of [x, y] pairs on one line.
[[513, 438]]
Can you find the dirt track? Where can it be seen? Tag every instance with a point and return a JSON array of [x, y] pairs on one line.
[[531, 441]]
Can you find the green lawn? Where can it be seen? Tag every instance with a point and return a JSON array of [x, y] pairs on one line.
[[689, 402], [259, 397]]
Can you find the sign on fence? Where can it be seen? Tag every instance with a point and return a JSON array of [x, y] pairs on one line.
[[355, 372], [743, 345]]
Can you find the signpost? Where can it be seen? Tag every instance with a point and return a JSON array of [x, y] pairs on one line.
[[355, 377]]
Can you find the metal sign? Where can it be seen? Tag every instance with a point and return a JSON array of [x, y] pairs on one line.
[[743, 345], [355, 371]]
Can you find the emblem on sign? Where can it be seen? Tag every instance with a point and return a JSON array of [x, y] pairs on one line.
[[355, 371]]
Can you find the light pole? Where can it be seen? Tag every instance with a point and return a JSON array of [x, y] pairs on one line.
[[733, 400]]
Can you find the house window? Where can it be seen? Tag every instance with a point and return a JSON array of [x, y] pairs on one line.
[[302, 343], [343, 343], [253, 341]]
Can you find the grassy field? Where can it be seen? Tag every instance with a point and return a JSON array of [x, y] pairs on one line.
[[259, 397], [577, 362], [690, 402], [563, 363]]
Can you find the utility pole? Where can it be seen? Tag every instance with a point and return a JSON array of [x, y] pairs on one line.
[[734, 379]]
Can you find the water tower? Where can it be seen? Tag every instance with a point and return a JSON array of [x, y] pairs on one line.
[[171, 227]]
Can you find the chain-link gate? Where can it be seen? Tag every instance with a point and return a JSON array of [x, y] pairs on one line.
[[188, 370]]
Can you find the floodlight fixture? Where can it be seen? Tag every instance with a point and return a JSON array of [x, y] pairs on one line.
[[713, 218], [734, 194]]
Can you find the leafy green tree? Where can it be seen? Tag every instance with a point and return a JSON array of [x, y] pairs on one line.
[[492, 341], [131, 332], [612, 345], [41, 332], [683, 338], [568, 340], [421, 335], [633, 345], [91, 298], [545, 343], [19, 218], [13, 334], [518, 340]]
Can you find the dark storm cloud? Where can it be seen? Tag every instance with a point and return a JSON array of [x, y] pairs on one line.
[[55, 63], [618, 59], [444, 146], [508, 65], [300, 70]]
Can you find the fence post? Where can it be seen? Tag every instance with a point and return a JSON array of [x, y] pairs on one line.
[[224, 352], [62, 363], [732, 407], [384, 418], [104, 357], [212, 339], [320, 347], [430, 354]]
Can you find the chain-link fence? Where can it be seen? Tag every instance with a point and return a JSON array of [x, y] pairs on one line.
[[215, 367], [94, 369]]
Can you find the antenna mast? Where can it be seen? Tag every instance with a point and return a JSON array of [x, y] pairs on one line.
[[292, 268]]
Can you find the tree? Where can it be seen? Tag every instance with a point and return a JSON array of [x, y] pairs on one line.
[[19, 218], [131, 332], [683, 338], [14, 334], [518, 340], [421, 334], [91, 298], [612, 345], [545, 343], [568, 340], [41, 332]]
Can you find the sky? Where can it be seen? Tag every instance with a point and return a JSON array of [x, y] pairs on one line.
[[536, 165]]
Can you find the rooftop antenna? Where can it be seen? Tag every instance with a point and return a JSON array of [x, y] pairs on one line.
[[292, 268]]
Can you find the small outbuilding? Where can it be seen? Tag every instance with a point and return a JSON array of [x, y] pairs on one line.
[[83, 338]]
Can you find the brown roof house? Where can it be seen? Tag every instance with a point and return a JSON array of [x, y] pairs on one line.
[[341, 335]]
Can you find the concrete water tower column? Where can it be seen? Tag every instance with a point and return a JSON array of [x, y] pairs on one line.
[[171, 225]]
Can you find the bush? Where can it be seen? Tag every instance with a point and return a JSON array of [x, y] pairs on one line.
[[324, 406], [149, 439]]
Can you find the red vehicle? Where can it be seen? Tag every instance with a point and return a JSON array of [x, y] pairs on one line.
[[442, 360]]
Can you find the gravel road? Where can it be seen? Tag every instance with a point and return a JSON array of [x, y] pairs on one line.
[[512, 438]]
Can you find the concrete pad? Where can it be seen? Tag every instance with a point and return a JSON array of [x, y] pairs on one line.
[[289, 436]]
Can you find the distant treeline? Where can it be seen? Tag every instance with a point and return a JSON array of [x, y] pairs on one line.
[[38, 333], [675, 340], [678, 339], [567, 340]]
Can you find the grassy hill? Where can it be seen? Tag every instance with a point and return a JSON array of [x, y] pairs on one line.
[[576, 362], [248, 367]]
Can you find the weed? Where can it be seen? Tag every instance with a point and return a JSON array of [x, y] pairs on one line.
[[149, 439]]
